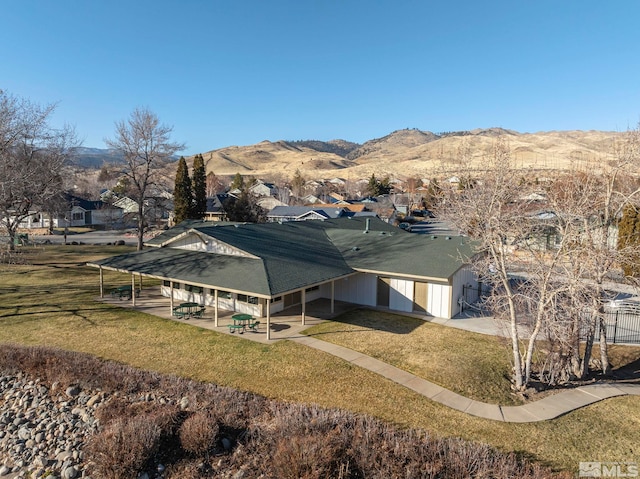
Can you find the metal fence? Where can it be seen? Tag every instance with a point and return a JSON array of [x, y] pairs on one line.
[[623, 326], [622, 323]]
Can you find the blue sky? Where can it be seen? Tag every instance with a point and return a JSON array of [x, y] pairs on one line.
[[233, 72]]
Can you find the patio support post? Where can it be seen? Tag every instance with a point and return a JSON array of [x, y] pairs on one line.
[[140, 281], [171, 297], [268, 324], [333, 297], [101, 284], [215, 307], [304, 305], [133, 289]]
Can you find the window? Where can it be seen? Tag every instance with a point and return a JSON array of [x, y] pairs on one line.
[[224, 294], [247, 299], [166, 283], [193, 289], [277, 299], [312, 288], [77, 216]]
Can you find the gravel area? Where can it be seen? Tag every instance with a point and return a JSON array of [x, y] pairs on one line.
[[43, 429]]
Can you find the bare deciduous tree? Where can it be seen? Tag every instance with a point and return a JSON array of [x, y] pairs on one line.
[[563, 290], [146, 146], [487, 208], [214, 184], [33, 156]]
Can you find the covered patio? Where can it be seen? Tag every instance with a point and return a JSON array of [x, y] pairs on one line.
[[283, 325]]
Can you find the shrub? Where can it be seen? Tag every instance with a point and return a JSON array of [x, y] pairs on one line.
[[125, 447], [198, 433]]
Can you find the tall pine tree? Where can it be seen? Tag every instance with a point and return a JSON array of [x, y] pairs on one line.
[[182, 193], [237, 183], [199, 188]]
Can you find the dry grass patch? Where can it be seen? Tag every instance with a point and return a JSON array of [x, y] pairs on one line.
[[474, 365]]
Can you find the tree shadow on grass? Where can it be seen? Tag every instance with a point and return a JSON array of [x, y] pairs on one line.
[[369, 319], [629, 372], [28, 316]]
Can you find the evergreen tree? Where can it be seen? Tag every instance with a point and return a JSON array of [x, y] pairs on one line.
[[182, 194], [376, 187], [629, 240], [372, 186], [245, 209], [199, 188], [238, 182]]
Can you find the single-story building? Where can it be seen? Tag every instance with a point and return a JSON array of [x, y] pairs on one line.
[[261, 269]]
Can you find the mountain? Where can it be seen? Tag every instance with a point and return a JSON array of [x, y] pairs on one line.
[[95, 157], [402, 153], [411, 152]]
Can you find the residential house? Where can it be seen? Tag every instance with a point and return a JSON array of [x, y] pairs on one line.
[[269, 202], [215, 206], [303, 213], [82, 212], [261, 188]]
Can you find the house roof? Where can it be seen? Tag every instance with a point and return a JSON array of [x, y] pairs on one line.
[[436, 257], [87, 205], [355, 207], [294, 255], [301, 211], [215, 203]]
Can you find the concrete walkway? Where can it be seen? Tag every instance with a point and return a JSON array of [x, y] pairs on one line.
[[289, 327], [548, 408]]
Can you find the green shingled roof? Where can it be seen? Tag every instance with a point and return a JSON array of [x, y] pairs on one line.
[[294, 255], [430, 256]]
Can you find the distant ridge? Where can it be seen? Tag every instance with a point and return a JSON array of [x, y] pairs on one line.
[[402, 153]]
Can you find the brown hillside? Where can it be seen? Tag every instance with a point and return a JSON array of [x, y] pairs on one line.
[[413, 152]]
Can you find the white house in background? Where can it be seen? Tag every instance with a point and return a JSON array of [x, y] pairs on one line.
[[303, 213], [89, 213], [126, 204], [269, 202], [79, 212], [263, 189]]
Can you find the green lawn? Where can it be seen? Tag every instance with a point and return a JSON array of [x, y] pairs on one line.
[[53, 301], [471, 364]]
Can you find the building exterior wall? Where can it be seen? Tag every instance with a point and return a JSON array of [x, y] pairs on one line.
[[442, 299], [357, 289], [438, 300], [401, 295], [207, 298], [194, 242], [465, 287]]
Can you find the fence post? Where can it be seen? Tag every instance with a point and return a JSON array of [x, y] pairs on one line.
[[615, 327]]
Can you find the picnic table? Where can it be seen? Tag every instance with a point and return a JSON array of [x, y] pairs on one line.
[[242, 322], [188, 310], [124, 292]]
